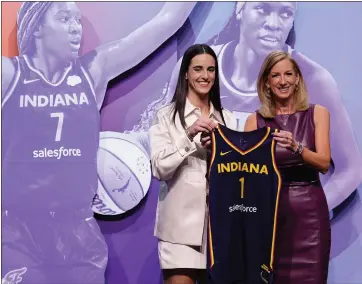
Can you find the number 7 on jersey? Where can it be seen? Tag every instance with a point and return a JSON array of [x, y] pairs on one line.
[[60, 116]]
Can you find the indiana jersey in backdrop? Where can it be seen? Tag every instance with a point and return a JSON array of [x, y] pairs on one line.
[[50, 141], [244, 187]]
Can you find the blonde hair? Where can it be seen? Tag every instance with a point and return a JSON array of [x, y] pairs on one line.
[[301, 97]]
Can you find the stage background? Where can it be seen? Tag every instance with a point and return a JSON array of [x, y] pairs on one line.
[[327, 33]]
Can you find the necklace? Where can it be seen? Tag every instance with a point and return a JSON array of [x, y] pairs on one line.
[[284, 121]]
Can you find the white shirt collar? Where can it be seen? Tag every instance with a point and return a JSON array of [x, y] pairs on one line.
[[190, 108]]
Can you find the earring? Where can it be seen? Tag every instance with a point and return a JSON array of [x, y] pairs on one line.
[[296, 87], [268, 90]]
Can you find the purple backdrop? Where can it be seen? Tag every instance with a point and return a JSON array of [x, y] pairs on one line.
[[307, 30]]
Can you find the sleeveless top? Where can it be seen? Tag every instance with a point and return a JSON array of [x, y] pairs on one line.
[[292, 167]]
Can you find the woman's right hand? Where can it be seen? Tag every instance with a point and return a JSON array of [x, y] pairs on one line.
[[201, 125], [205, 140]]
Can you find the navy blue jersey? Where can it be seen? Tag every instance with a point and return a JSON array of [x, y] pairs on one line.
[[50, 139], [244, 188]]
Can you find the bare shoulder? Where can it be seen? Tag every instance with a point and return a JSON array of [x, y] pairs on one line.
[[8, 72], [251, 123], [321, 114], [319, 109]]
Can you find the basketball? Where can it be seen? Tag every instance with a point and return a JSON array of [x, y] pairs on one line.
[[124, 173]]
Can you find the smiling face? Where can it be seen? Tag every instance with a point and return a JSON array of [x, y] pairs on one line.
[[283, 79], [265, 25], [201, 74], [60, 32]]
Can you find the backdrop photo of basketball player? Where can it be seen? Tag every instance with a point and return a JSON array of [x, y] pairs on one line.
[[303, 232], [254, 30], [50, 104], [178, 157]]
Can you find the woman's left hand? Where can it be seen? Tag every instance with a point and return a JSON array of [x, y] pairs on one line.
[[285, 139]]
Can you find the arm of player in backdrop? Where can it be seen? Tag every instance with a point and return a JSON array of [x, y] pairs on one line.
[[347, 175], [112, 59]]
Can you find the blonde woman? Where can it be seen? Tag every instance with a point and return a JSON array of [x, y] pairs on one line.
[[303, 151]]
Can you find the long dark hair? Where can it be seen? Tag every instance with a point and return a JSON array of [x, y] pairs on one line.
[[179, 98]]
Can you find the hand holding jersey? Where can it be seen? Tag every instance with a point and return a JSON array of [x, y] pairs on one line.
[[205, 140], [204, 126], [285, 139], [244, 188]]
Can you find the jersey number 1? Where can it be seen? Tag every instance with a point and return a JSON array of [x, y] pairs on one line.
[[242, 187], [60, 116]]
